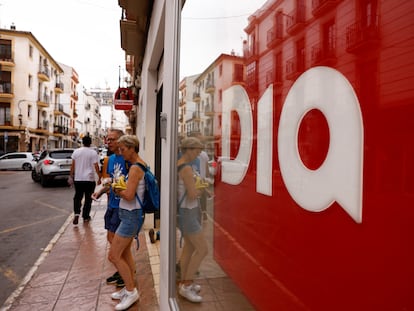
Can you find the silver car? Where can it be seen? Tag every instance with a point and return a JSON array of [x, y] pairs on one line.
[[52, 165], [17, 161]]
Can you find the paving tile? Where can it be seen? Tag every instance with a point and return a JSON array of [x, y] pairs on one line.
[[48, 278]]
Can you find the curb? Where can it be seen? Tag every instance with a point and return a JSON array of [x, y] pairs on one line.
[[9, 301]]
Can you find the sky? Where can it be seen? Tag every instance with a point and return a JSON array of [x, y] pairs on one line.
[[85, 34], [210, 28]]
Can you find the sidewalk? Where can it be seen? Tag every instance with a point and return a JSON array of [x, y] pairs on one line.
[[71, 273]]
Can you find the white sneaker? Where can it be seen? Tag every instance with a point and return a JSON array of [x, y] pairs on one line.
[[189, 294], [119, 294], [196, 288], [127, 300]]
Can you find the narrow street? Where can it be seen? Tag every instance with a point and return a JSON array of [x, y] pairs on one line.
[[30, 217]]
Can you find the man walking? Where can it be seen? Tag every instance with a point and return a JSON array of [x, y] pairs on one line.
[[116, 166], [84, 166]]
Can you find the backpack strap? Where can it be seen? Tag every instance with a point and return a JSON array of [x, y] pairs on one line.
[[144, 168]]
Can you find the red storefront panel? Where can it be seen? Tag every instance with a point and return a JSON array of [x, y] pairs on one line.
[[333, 231]]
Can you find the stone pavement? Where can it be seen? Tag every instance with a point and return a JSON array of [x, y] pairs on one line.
[[71, 273]]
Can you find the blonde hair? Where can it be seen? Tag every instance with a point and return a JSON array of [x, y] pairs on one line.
[[130, 141], [191, 143]]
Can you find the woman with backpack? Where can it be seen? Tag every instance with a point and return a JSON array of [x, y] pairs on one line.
[[130, 214], [189, 220]]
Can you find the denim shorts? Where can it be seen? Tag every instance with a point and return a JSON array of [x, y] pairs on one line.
[[131, 222], [111, 218], [189, 220]]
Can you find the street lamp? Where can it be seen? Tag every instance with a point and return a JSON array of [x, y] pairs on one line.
[[20, 116]]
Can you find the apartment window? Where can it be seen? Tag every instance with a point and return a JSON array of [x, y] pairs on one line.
[[29, 111], [30, 51], [329, 37], [5, 49], [4, 114], [238, 72], [30, 81], [220, 70]]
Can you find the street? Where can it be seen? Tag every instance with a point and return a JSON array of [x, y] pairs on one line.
[[30, 218]]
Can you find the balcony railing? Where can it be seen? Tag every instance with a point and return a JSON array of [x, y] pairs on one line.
[[294, 67], [60, 129], [273, 37], [296, 19], [209, 86], [43, 100], [361, 37], [44, 72], [323, 55], [59, 107], [59, 87], [6, 56], [208, 110], [196, 115], [6, 88], [196, 96]]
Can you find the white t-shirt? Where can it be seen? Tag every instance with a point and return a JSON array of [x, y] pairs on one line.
[[134, 204], [85, 160], [203, 157]]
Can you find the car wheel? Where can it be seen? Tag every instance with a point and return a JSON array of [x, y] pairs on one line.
[[43, 180], [27, 167], [34, 176]]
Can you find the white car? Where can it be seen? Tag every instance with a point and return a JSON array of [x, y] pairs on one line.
[[17, 161], [53, 165]]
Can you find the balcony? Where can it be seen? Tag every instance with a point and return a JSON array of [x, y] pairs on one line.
[[58, 129], [360, 38], [43, 100], [196, 97], [321, 56], [294, 68], [209, 111], [274, 37], [6, 58], [43, 126], [320, 7], [6, 90], [196, 116], [210, 87], [74, 95], [295, 20], [59, 88], [44, 73], [182, 102], [58, 109], [208, 133]]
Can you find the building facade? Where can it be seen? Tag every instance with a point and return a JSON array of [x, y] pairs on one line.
[[31, 116], [40, 105]]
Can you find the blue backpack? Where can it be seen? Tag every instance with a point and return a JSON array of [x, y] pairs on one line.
[[151, 202]]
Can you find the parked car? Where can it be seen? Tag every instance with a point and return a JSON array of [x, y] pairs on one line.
[[17, 161], [52, 165]]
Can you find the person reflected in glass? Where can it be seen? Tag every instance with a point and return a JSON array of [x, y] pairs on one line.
[[130, 214], [195, 247]]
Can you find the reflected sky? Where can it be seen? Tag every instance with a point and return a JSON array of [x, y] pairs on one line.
[[210, 28]]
